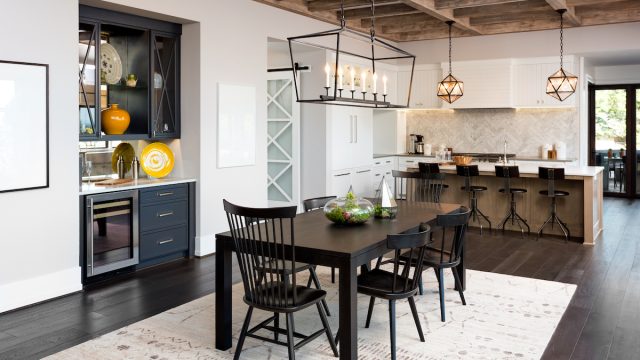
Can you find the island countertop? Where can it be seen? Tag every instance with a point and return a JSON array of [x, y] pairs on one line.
[[88, 189], [526, 170]]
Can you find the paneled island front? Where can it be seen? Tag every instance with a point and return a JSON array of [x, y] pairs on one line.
[[581, 210]]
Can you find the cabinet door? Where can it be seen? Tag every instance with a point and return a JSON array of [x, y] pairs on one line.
[[342, 131], [402, 87], [361, 181], [165, 82], [529, 86], [88, 92], [420, 89], [432, 78], [340, 183], [362, 153]]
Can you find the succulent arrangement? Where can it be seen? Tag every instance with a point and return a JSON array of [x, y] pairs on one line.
[[348, 210]]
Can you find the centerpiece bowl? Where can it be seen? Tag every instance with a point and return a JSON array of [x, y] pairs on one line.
[[348, 210]]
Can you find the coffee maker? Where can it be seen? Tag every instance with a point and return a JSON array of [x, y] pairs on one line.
[[419, 145]]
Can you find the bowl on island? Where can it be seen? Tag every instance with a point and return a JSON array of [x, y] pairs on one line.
[[462, 160]]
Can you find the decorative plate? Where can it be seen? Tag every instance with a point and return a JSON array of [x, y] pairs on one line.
[[111, 65], [157, 160], [127, 152]]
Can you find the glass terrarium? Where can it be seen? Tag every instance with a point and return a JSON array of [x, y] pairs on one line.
[[385, 205], [349, 210]]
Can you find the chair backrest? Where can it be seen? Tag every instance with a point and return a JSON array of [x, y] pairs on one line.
[[261, 237], [432, 186], [429, 168], [412, 245], [467, 171], [405, 184], [450, 253], [551, 175], [507, 173], [316, 203]]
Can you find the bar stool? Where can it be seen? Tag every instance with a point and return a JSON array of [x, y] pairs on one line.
[[429, 169], [551, 175], [469, 171], [508, 173]]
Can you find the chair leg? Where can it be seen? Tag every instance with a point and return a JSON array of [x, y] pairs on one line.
[[441, 290], [550, 218], [276, 324], [457, 277], [243, 333], [327, 329], [414, 311], [333, 275], [290, 343], [392, 324], [314, 277], [370, 312], [420, 286]]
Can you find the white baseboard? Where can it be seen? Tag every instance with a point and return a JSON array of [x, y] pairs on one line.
[[205, 245], [30, 291]]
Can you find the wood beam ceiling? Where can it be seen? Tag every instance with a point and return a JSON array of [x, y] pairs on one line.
[[409, 20]]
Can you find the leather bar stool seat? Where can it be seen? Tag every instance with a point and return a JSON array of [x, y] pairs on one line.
[[555, 193]]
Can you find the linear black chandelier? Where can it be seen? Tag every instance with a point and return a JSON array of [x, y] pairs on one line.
[[349, 77], [561, 84]]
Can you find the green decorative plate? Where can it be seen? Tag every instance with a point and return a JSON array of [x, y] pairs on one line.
[[127, 152]]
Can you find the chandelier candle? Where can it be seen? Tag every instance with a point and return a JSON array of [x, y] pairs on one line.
[[375, 83], [384, 85], [340, 78], [327, 70], [363, 80]]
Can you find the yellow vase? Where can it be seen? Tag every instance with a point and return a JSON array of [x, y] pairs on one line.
[[114, 121]]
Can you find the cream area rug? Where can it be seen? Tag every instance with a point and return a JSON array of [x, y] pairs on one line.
[[506, 317]]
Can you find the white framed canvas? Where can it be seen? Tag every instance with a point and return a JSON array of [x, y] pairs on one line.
[[24, 126], [236, 125]]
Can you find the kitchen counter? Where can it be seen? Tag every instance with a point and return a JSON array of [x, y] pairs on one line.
[[531, 171], [517, 158], [377, 156], [88, 189]]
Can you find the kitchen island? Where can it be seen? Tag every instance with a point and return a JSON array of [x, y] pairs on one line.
[[581, 210]]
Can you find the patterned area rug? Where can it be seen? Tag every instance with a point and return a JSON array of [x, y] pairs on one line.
[[506, 317]]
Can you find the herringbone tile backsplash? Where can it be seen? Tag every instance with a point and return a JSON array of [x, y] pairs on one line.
[[484, 130]]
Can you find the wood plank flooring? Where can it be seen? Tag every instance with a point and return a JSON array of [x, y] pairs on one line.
[[601, 322]]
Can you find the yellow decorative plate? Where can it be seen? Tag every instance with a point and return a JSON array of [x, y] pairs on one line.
[[157, 160], [127, 152]]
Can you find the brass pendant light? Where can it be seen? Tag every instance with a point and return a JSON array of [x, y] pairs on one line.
[[450, 89], [561, 84]]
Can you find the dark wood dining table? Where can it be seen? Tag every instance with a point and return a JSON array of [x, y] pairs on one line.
[[319, 242]]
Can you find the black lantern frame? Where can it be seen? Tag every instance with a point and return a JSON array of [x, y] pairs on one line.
[[334, 93]]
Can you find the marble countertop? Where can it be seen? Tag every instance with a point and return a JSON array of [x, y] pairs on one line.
[[571, 172], [521, 158], [92, 188]]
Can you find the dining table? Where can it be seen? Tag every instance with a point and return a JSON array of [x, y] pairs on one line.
[[317, 241]]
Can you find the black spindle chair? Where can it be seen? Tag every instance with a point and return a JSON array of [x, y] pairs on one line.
[[261, 238], [313, 204], [448, 254], [415, 186], [399, 283]]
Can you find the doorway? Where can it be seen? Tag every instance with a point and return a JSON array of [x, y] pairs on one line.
[[614, 137]]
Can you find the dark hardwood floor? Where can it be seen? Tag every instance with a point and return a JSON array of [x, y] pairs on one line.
[[602, 321]]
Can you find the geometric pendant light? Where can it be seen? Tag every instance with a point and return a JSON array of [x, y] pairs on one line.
[[561, 84], [450, 89]]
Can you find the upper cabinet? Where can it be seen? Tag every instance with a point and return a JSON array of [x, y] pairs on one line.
[[530, 82], [487, 84], [134, 63], [423, 89]]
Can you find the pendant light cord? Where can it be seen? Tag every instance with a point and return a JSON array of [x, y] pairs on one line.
[[450, 23], [561, 12], [372, 31], [343, 22]]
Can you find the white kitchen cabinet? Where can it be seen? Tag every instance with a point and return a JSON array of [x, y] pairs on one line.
[[361, 181], [340, 183], [389, 132], [487, 84], [530, 82], [423, 90], [351, 136], [405, 162]]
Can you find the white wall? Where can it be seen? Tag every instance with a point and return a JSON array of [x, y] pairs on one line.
[[39, 228], [621, 74]]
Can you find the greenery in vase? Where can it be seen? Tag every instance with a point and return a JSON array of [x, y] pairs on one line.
[[349, 213]]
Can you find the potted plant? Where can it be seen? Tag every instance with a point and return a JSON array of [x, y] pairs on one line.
[[610, 153], [621, 152]]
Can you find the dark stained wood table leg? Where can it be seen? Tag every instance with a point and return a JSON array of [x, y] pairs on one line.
[[223, 295], [348, 286]]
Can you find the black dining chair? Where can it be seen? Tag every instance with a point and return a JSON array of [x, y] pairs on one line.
[[398, 283], [431, 168], [261, 237], [314, 204], [448, 254], [416, 186]]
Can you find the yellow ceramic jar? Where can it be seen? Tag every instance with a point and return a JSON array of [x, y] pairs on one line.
[[114, 121]]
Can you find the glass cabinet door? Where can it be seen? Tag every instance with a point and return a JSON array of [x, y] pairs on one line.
[[165, 103], [87, 93]]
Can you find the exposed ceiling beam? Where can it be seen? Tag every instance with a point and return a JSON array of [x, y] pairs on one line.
[[489, 10], [429, 8], [590, 2], [457, 4], [430, 35], [380, 11], [400, 19], [548, 14], [414, 26], [570, 15], [325, 5]]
